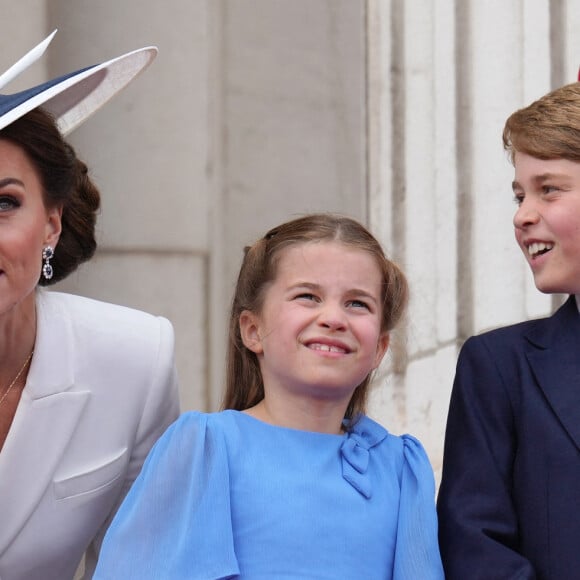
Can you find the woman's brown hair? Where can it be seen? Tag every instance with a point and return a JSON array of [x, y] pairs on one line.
[[65, 184], [244, 385]]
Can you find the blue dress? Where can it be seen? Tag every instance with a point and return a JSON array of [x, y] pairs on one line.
[[225, 495]]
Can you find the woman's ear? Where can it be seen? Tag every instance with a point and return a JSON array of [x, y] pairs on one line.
[[53, 226], [250, 331], [382, 347]]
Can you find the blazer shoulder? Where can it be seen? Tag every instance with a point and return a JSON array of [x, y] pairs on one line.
[[97, 314], [507, 333], [109, 350], [107, 332], [539, 331]]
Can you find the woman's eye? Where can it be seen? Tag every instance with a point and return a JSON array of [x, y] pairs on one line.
[[8, 203]]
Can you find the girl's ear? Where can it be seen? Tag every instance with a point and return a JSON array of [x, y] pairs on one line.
[[250, 331], [382, 346]]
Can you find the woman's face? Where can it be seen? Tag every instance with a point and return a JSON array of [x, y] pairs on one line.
[[26, 227]]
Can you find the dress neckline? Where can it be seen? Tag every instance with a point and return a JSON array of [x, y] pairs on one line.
[[267, 425], [355, 447]]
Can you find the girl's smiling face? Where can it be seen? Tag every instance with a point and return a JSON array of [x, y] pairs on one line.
[[319, 331], [26, 227], [547, 222]]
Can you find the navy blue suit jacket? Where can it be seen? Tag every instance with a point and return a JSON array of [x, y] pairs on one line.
[[509, 501]]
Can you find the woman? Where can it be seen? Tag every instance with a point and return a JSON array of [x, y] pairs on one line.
[[85, 387]]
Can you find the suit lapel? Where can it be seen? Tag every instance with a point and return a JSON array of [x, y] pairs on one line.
[[44, 423], [554, 355]]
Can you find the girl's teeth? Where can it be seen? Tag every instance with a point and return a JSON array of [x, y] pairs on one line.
[[327, 348]]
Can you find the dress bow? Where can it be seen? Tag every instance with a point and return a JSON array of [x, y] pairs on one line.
[[364, 435]]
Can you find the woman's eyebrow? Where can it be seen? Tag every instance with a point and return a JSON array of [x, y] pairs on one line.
[[10, 181]]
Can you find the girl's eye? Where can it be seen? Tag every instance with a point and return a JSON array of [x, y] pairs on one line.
[[306, 296], [359, 304], [518, 198], [549, 188], [7, 203]]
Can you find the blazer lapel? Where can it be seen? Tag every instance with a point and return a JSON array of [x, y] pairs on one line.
[[554, 356], [44, 423]]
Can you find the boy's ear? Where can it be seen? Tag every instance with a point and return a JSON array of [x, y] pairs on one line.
[[382, 347], [250, 331]]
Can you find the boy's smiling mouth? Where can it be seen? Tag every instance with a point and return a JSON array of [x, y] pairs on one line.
[[536, 249]]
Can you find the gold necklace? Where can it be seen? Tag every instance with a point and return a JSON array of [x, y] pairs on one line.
[[7, 391]]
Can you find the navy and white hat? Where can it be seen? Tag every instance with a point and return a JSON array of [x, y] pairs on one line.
[[74, 97]]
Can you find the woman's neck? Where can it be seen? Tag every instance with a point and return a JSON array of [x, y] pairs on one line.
[[17, 337]]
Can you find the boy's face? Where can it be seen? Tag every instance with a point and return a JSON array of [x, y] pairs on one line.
[[547, 222]]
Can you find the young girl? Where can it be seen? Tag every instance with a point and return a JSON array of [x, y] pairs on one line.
[[292, 480]]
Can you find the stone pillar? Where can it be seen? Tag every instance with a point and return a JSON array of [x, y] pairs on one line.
[[290, 127], [253, 113], [443, 77], [413, 205], [148, 151]]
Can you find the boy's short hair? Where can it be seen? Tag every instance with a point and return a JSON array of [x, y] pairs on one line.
[[549, 128]]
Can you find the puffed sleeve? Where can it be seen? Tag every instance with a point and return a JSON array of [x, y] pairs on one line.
[[175, 522], [417, 550], [478, 522]]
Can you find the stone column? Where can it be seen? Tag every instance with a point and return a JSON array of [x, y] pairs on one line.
[[290, 123], [148, 153], [443, 77]]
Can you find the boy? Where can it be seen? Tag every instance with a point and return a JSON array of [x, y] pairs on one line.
[[509, 502]]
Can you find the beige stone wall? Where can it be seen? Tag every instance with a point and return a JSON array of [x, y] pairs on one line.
[[149, 152], [443, 77], [258, 110], [253, 112], [289, 128]]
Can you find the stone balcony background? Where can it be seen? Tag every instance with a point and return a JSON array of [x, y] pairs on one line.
[[259, 110]]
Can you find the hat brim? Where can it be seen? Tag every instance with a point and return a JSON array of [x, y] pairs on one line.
[[73, 98]]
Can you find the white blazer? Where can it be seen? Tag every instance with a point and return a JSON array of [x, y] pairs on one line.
[[101, 389]]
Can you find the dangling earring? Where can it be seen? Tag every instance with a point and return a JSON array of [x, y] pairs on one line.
[[47, 254]]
